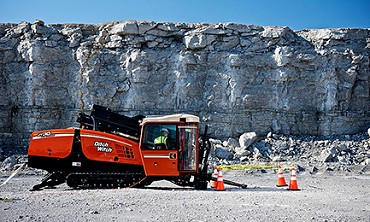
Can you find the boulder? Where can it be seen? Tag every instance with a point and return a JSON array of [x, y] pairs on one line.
[[223, 154], [342, 148], [247, 139], [232, 142], [278, 159], [241, 152], [214, 143], [329, 155], [262, 147], [9, 163]]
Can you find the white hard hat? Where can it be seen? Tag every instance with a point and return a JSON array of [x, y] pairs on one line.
[[164, 130]]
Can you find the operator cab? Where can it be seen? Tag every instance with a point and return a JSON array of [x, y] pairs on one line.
[[169, 144]]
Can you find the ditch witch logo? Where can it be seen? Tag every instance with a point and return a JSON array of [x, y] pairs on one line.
[[103, 147]]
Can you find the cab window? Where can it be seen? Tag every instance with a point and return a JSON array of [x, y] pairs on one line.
[[159, 136]]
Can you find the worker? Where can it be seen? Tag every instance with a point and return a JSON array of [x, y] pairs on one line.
[[162, 141]]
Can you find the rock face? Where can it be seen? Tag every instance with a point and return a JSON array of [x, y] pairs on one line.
[[237, 78]]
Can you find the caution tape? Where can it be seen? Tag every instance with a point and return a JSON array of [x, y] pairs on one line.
[[250, 167]]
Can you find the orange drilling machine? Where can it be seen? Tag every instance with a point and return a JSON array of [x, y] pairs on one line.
[[111, 150]]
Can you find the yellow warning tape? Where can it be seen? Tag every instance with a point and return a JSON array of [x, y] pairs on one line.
[[250, 167]]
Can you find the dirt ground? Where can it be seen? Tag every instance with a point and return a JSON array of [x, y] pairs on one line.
[[321, 198]]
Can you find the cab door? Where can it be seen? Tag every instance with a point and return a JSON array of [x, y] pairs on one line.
[[187, 147], [160, 159]]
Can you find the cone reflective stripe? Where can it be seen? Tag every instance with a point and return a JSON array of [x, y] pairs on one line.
[[293, 185], [281, 180], [215, 175], [220, 181]]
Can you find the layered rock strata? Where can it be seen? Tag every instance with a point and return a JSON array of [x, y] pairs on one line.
[[237, 78]]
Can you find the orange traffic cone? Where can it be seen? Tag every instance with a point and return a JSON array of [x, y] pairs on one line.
[[293, 181], [281, 180], [215, 176], [220, 182]]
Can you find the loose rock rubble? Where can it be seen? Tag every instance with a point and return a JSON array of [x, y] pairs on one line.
[[347, 153]]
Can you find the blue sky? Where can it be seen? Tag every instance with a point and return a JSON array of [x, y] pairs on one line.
[[297, 14]]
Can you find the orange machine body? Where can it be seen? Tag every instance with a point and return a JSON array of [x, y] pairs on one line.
[[115, 146], [105, 147], [55, 143]]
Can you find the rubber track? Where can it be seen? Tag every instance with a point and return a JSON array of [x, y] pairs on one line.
[[90, 180]]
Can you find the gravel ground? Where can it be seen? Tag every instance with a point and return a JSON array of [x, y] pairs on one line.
[[322, 197], [333, 175]]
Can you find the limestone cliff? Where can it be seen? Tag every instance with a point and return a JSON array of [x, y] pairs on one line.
[[236, 77]]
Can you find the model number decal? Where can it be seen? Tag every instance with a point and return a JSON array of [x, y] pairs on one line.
[[44, 134], [103, 147]]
